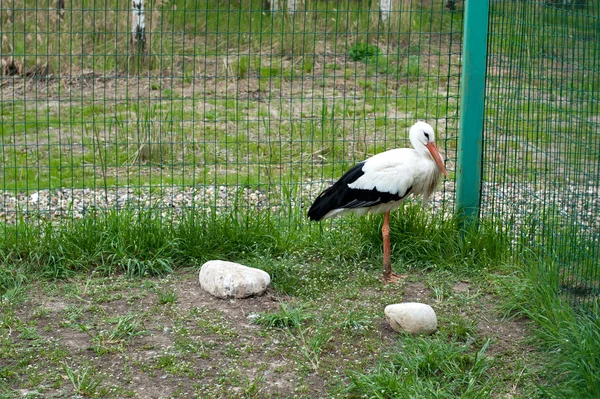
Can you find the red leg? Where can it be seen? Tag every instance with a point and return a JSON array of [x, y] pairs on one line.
[[387, 257], [388, 275]]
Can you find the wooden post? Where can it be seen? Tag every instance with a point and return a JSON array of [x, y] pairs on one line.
[[385, 9], [60, 8], [138, 27], [290, 5]]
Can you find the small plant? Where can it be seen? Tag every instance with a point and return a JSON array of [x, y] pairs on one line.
[[127, 327], [413, 66], [356, 322], [428, 368], [253, 387], [460, 329], [85, 380], [311, 342], [29, 333], [270, 72], [363, 52], [12, 284], [167, 297], [287, 317], [241, 67], [108, 341], [166, 361], [308, 64], [151, 267]]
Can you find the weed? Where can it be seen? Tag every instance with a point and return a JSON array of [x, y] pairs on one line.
[[85, 380], [166, 361], [241, 67], [413, 66], [460, 329], [363, 51], [29, 333], [151, 267], [167, 297], [287, 317], [357, 323], [311, 343], [427, 368], [254, 386], [107, 341], [12, 284]]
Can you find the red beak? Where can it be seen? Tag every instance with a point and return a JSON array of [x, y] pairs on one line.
[[437, 157]]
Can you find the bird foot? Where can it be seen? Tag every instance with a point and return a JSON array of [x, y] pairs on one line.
[[393, 278]]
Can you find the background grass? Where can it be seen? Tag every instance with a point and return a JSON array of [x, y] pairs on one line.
[[219, 92]]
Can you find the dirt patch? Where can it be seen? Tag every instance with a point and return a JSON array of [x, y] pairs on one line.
[[135, 343], [462, 286], [416, 292]]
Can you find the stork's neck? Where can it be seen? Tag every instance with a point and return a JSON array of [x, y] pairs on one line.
[[421, 149]]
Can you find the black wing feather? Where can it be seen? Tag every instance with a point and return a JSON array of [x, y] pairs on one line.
[[340, 196]]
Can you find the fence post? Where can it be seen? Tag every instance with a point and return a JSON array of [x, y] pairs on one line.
[[470, 140]]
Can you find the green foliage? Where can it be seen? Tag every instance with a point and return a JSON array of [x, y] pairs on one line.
[[12, 282], [126, 328], [427, 367], [142, 244], [431, 240], [166, 297], [413, 66], [570, 336], [363, 51], [287, 317], [85, 380]]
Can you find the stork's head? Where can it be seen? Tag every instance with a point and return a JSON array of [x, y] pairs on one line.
[[422, 138]]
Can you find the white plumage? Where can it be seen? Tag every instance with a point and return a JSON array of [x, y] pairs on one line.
[[380, 183]]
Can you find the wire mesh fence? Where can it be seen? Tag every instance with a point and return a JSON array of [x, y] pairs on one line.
[[211, 104], [542, 143], [216, 105]]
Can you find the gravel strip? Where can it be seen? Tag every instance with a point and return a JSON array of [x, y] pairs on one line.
[[515, 202]]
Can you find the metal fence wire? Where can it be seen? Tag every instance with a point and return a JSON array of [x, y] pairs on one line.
[[211, 104], [542, 133], [214, 105]]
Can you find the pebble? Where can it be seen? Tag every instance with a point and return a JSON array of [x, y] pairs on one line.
[[411, 317]]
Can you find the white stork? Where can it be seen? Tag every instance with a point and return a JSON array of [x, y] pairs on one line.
[[382, 182]]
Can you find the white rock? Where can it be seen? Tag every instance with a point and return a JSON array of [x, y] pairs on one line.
[[231, 280], [412, 317]]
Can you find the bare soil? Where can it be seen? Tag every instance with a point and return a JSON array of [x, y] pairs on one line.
[[200, 345]]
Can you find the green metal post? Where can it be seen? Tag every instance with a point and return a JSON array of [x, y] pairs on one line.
[[468, 171]]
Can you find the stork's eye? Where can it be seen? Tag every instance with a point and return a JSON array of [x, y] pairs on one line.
[[427, 136]]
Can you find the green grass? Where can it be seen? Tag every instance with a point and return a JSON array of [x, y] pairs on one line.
[[535, 104], [326, 278], [140, 243], [422, 367], [175, 132], [286, 317], [85, 380], [570, 336], [101, 35], [164, 145]]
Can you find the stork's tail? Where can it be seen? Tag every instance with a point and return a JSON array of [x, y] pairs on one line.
[[324, 203], [335, 197]]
